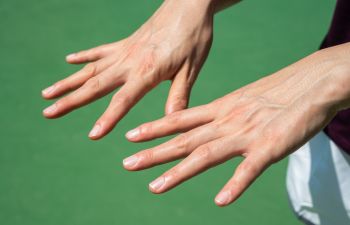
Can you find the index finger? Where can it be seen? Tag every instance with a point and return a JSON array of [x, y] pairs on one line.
[[176, 122]]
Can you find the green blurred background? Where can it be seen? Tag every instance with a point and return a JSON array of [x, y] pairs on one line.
[[51, 174]]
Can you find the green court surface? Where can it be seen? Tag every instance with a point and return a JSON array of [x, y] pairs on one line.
[[52, 174]]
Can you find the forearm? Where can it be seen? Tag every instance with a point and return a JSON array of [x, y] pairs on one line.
[[334, 76]]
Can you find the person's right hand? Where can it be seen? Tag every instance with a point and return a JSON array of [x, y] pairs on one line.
[[172, 45]]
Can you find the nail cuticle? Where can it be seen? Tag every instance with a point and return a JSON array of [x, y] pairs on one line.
[[157, 184], [132, 133], [131, 161]]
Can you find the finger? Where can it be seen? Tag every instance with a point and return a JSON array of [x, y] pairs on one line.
[[204, 157], [176, 122], [77, 79], [243, 177], [92, 89], [121, 103], [179, 92], [177, 148], [90, 55]]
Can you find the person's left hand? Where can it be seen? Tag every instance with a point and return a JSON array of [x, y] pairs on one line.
[[263, 122]]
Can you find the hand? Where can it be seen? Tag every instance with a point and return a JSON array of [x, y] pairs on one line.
[[263, 122], [172, 45]]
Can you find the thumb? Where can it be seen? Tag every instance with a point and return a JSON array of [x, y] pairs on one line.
[[179, 93]]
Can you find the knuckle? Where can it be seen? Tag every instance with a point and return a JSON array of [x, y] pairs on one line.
[[173, 174], [204, 153], [60, 84], [80, 53], [145, 129], [182, 143], [64, 103], [93, 51], [269, 156], [149, 61], [148, 81], [64, 85], [147, 156], [90, 69], [249, 168], [93, 84], [174, 118], [121, 99]]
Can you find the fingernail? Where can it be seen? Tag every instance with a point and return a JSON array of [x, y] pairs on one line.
[[50, 110], [130, 161], [157, 184], [48, 90], [95, 131], [70, 56], [223, 198], [133, 134]]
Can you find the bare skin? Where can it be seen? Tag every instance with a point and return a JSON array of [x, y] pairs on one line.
[[262, 122], [172, 45]]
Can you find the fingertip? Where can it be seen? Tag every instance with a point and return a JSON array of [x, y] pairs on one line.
[[71, 57], [95, 132], [50, 111], [157, 186], [44, 115], [47, 92], [223, 199], [133, 135], [130, 163], [153, 191], [95, 138], [220, 204]]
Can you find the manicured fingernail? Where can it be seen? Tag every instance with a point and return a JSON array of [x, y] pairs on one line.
[[130, 161], [223, 198], [157, 184], [95, 131], [133, 133], [50, 110], [48, 90], [71, 56]]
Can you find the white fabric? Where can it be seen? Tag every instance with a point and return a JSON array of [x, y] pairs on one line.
[[318, 182]]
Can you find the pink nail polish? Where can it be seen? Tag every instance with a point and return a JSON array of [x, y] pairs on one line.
[[133, 134], [130, 161], [50, 110], [157, 184], [95, 131], [48, 90], [223, 198]]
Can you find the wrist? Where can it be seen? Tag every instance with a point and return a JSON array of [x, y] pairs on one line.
[[339, 92], [335, 72]]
